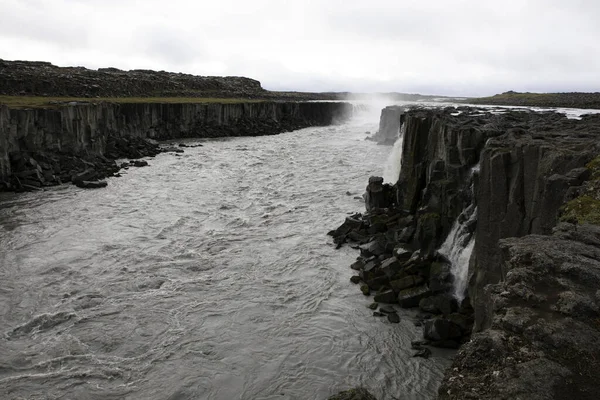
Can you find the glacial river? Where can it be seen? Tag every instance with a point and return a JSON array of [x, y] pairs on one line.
[[204, 276]]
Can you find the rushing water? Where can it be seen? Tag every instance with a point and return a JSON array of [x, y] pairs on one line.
[[204, 276]]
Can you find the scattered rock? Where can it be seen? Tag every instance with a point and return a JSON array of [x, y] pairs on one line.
[[423, 352], [393, 318]]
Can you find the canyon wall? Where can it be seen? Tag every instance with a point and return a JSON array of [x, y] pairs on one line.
[[85, 128], [533, 280]]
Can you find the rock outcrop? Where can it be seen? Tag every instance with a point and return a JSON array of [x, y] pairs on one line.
[[509, 177], [106, 131], [389, 125]]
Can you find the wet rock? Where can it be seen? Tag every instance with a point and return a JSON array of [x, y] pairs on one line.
[[378, 314], [365, 289], [409, 298], [406, 283], [353, 394], [440, 304], [387, 309], [378, 282], [422, 352], [378, 195], [393, 318], [87, 175], [355, 279], [139, 163], [91, 184], [441, 329], [418, 344], [358, 265], [387, 296], [390, 266], [373, 306]]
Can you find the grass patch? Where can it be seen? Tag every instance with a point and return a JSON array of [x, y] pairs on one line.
[[583, 209], [586, 207], [55, 102]]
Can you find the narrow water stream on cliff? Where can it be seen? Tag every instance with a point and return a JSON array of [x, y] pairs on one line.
[[204, 276]]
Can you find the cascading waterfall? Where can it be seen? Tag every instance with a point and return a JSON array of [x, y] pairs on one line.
[[391, 172], [459, 245]]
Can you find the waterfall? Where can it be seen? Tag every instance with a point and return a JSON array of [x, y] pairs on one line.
[[459, 245], [391, 172]]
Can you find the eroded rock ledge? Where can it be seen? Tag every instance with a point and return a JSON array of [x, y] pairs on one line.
[[504, 175]]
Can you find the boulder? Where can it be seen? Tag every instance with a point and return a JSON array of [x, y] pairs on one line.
[[390, 266], [439, 304], [88, 175], [91, 184], [406, 283], [378, 195], [441, 329], [387, 296], [393, 318], [409, 298]]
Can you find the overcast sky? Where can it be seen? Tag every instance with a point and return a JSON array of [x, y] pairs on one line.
[[451, 47]]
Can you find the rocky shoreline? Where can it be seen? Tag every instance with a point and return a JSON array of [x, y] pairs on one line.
[[522, 187], [80, 142]]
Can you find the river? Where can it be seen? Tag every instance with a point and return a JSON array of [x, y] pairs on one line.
[[203, 276]]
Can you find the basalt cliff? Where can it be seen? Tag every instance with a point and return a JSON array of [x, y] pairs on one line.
[[501, 209], [47, 146]]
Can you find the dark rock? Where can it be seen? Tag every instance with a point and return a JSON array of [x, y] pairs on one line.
[[441, 329], [393, 318], [378, 282], [418, 344], [406, 283], [355, 279], [373, 306], [87, 175], [353, 394], [390, 266], [378, 194], [378, 314], [423, 352], [365, 289], [409, 298], [439, 304], [387, 296], [91, 184], [387, 309], [358, 265], [139, 163]]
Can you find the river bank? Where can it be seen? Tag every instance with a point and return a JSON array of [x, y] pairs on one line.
[[471, 178], [42, 147]]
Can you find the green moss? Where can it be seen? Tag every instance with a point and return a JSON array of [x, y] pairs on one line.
[[594, 166], [583, 209], [430, 216]]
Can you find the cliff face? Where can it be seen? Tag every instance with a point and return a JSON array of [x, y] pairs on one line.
[[438, 153], [86, 128], [525, 176], [390, 121], [535, 296]]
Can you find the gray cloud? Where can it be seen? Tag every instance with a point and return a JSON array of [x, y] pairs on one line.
[[460, 47]]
